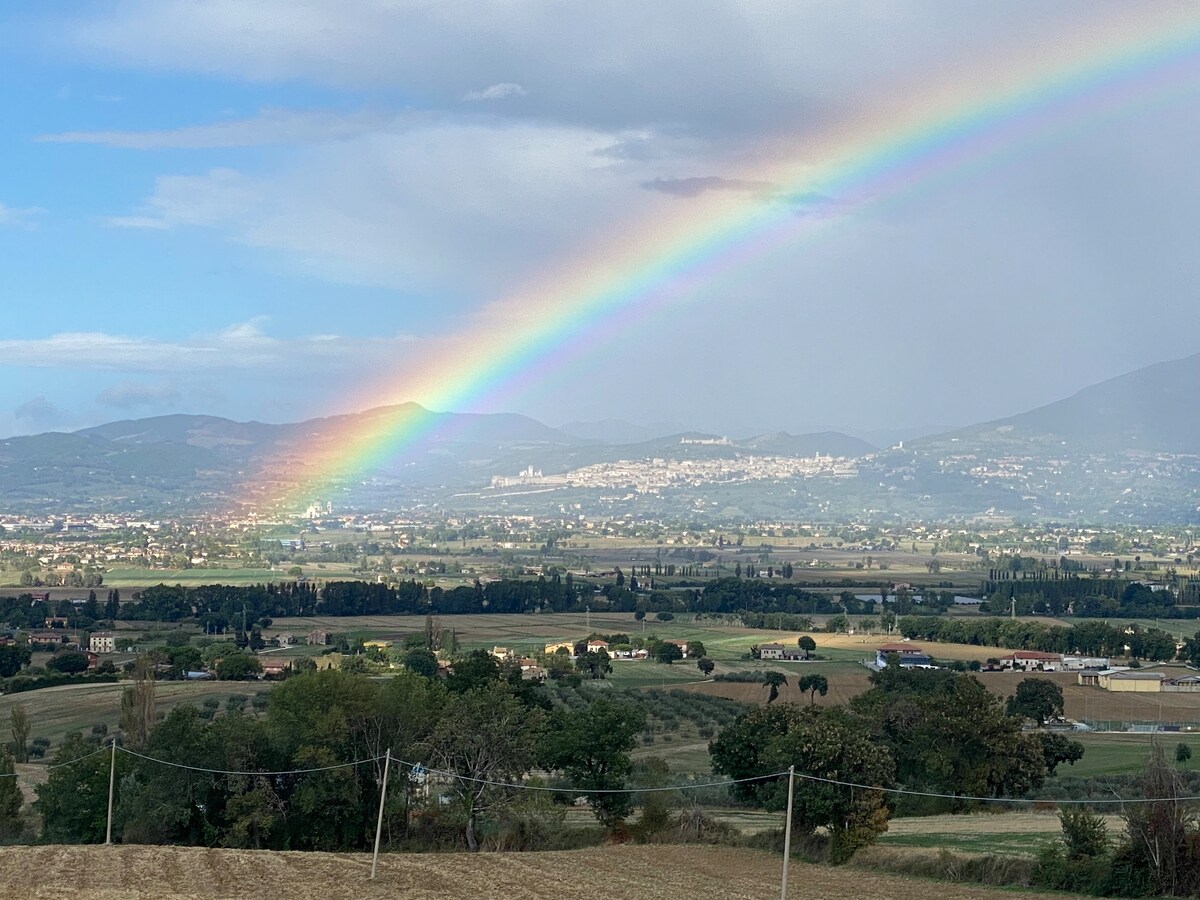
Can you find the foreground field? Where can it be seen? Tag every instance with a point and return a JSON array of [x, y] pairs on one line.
[[627, 872]]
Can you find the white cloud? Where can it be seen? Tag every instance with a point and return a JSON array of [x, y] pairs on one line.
[[454, 205], [501, 91], [19, 218], [243, 346], [270, 126]]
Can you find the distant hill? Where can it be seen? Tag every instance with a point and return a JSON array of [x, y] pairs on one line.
[[618, 431], [825, 443], [1150, 409], [1124, 450]]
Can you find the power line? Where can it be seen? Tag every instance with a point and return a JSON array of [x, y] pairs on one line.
[[884, 790], [648, 790], [64, 765], [175, 765]]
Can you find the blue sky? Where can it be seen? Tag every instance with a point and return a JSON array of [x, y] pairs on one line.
[[248, 209]]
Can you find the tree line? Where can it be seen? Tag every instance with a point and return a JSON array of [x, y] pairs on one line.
[[1085, 638]]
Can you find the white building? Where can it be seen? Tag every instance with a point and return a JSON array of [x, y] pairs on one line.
[[103, 642]]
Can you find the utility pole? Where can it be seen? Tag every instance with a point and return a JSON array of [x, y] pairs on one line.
[[387, 762], [787, 832], [112, 780]]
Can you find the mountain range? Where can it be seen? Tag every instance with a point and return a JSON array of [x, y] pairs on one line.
[[1123, 449]]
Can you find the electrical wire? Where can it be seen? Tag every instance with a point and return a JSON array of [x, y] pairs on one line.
[[175, 765]]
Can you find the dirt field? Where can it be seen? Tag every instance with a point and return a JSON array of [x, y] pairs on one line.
[[32, 873]]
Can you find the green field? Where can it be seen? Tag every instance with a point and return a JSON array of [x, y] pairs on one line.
[[135, 577], [57, 711], [1112, 753]]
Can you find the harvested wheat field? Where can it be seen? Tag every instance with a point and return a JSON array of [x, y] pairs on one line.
[[626, 872]]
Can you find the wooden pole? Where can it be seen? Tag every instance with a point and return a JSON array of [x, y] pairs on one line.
[[787, 832], [387, 762], [112, 780]]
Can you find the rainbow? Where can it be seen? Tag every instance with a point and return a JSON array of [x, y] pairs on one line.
[[913, 137]]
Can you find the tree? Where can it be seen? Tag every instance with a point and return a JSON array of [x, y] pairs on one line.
[[238, 667], [591, 747], [825, 742], [949, 734], [13, 658], [774, 680], [18, 718], [806, 644], [73, 801], [69, 662], [1182, 753], [666, 652], [1158, 829], [137, 705], [477, 669], [487, 737], [705, 665], [10, 796], [594, 664], [696, 649], [1037, 699], [1057, 748], [814, 684], [422, 662]]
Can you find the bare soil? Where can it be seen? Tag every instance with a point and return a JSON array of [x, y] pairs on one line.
[[33, 873]]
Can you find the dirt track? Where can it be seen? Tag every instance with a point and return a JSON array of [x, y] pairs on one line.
[[107, 873]]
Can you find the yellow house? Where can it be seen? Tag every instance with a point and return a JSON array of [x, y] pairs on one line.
[[329, 661], [569, 646], [376, 645], [1132, 682]]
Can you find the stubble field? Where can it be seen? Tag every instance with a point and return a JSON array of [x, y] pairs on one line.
[[634, 873]]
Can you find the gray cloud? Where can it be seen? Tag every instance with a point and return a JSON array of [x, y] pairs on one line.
[[694, 187], [40, 412], [132, 395]]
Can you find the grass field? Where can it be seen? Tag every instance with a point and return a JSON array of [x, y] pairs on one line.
[[56, 711], [1114, 753], [628, 872], [1005, 834]]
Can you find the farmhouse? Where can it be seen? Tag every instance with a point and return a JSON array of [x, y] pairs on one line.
[[596, 645], [274, 666], [1031, 661], [910, 657], [318, 638], [567, 647], [102, 642], [285, 639], [779, 651]]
